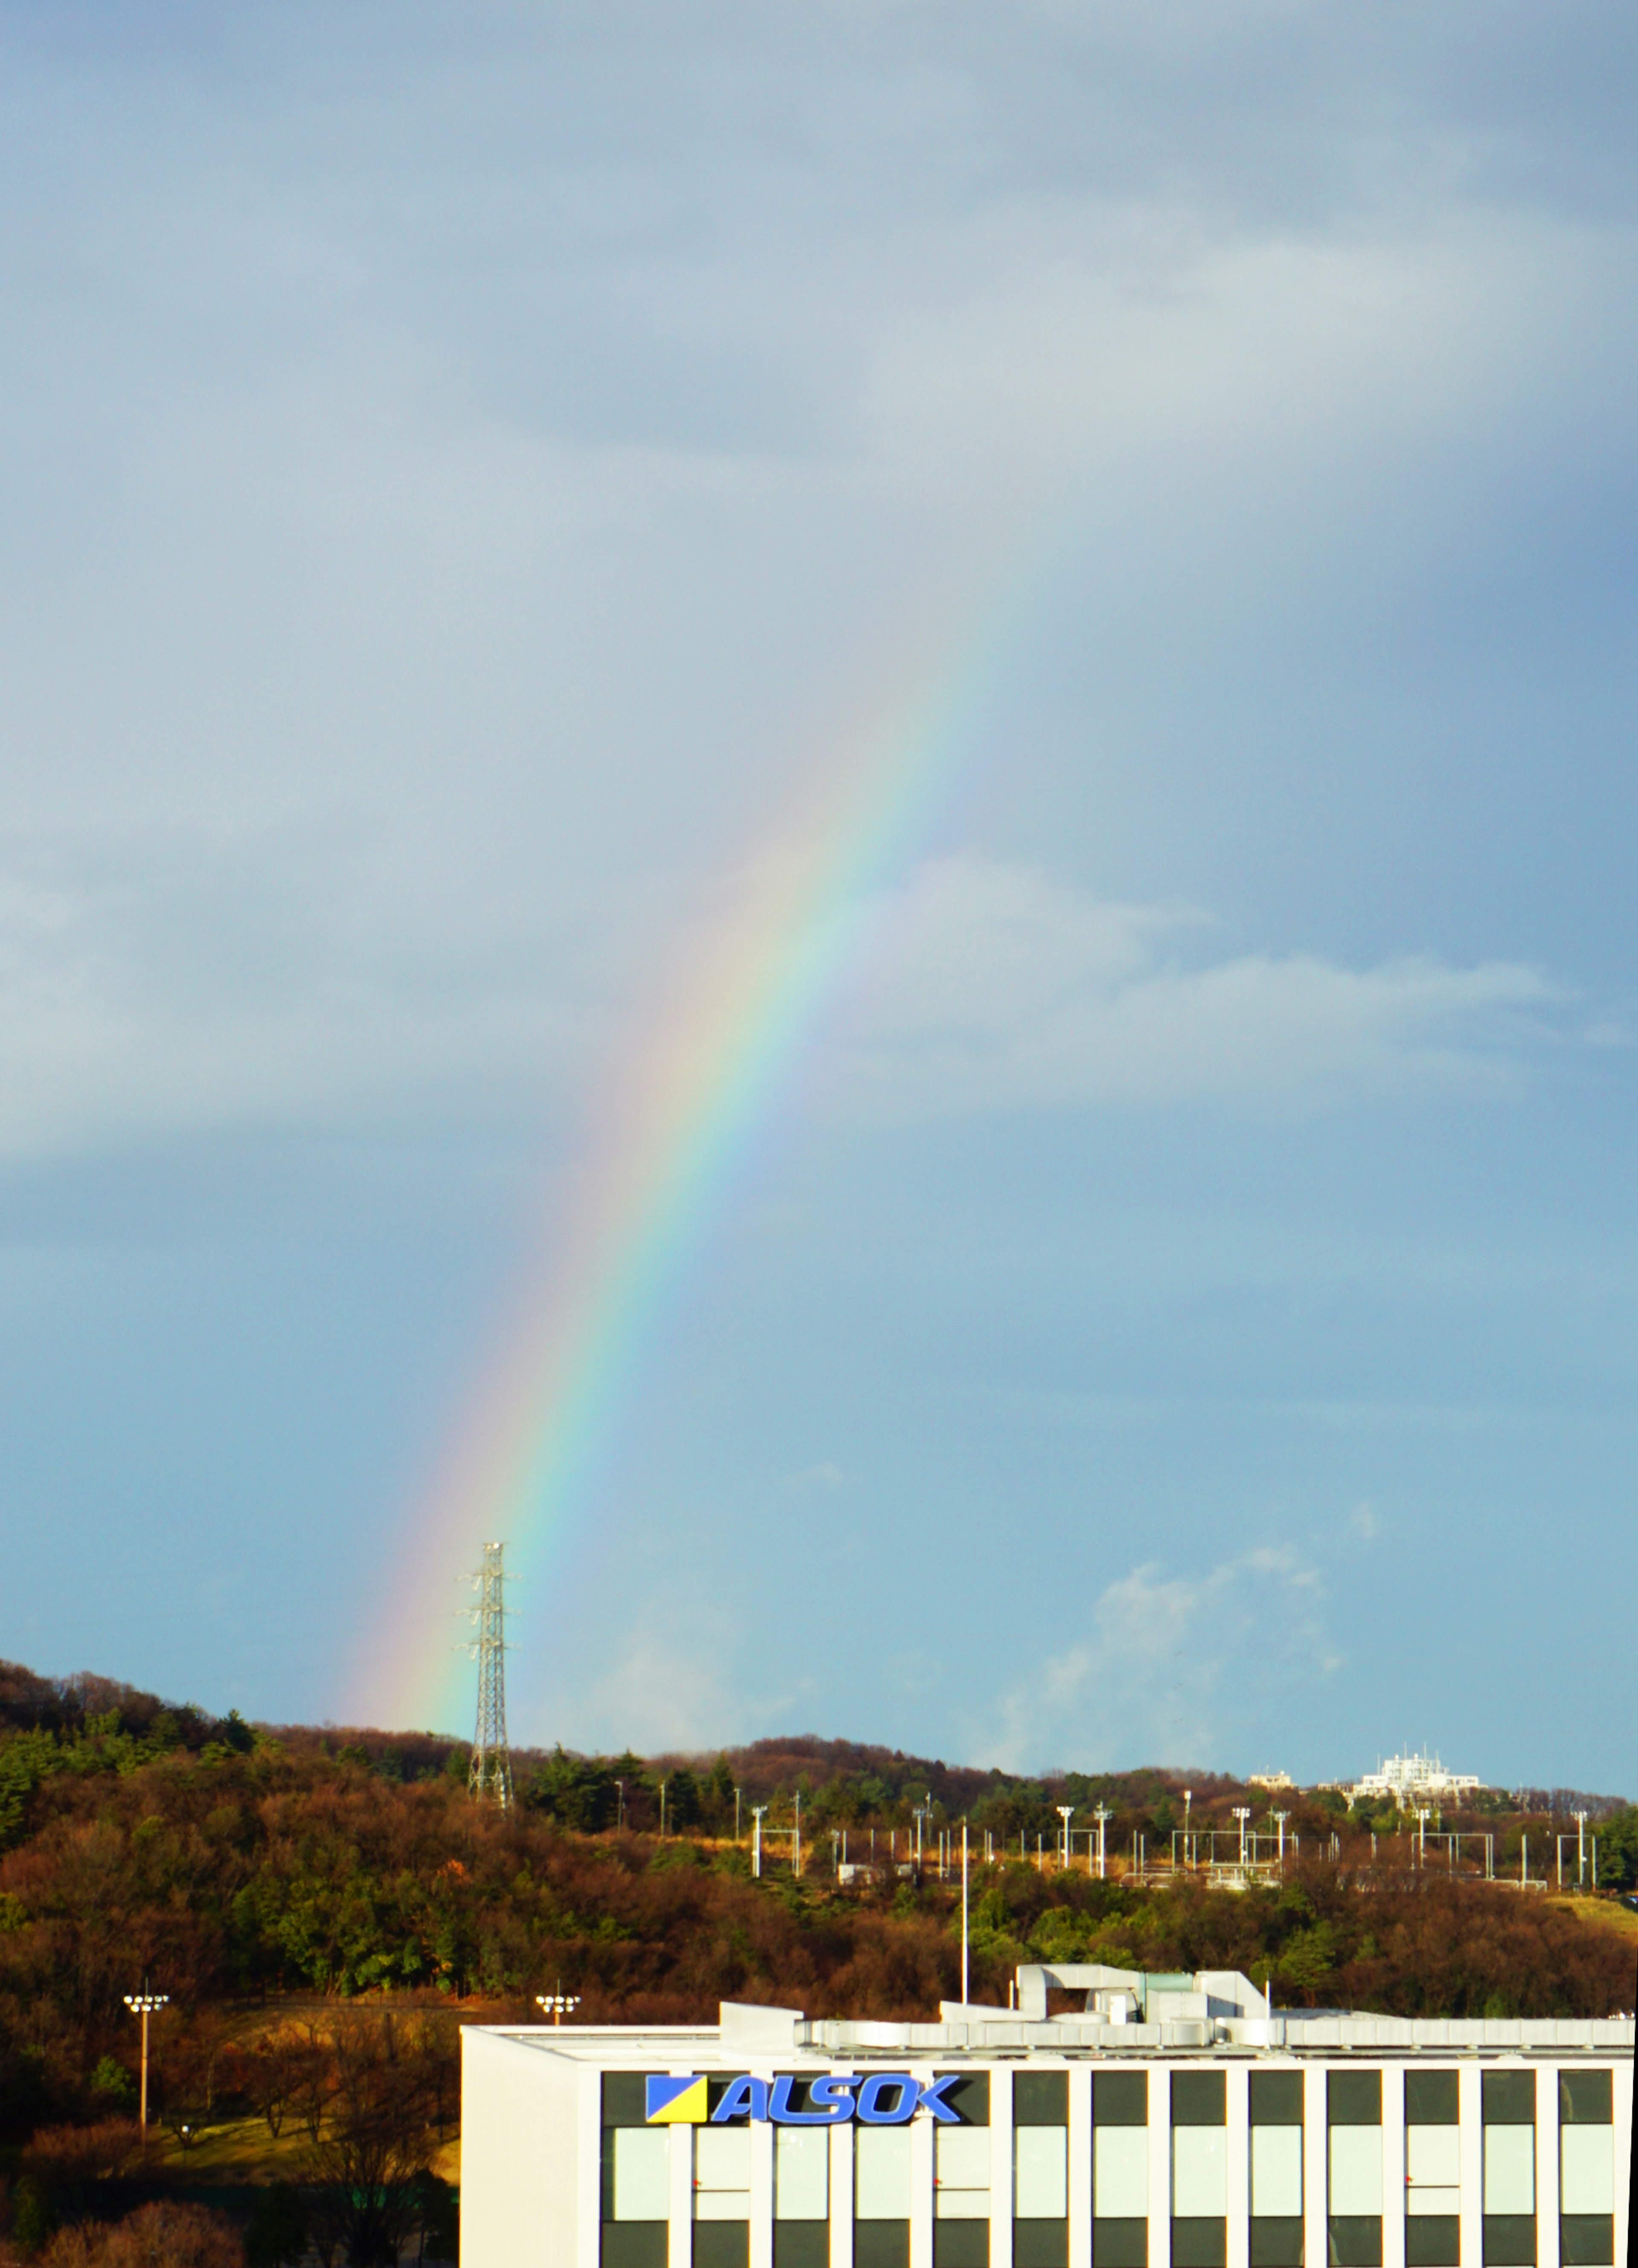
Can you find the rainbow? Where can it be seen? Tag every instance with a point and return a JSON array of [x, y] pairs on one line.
[[674, 1120]]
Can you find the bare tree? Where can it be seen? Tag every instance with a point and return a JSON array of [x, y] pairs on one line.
[[373, 2144]]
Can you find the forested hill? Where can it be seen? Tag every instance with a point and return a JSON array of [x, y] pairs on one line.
[[239, 1868]]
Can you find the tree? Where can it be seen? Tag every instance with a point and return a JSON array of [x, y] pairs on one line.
[[370, 2150], [33, 2220], [1618, 1850], [440, 2218], [682, 1798], [276, 2236]]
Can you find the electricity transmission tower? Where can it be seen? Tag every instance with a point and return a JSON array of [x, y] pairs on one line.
[[491, 1771]]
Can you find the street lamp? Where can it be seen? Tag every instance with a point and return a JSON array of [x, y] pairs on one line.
[[758, 1811], [1066, 1812], [1102, 1815], [144, 2004], [557, 2005]]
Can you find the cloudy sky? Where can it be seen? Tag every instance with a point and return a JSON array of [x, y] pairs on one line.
[[468, 476]]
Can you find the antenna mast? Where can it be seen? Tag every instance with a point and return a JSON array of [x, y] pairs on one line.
[[491, 1771]]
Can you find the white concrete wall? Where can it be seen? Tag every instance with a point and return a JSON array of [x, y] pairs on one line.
[[520, 2131]]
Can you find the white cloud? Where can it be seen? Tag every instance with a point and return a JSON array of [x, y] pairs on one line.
[[997, 988], [1173, 1668]]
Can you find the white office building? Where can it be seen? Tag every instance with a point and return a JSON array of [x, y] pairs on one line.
[[1169, 2122]]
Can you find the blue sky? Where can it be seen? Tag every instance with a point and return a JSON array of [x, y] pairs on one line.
[[459, 471]]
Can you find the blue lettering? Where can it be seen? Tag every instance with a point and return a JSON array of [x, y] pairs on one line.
[[933, 2099], [873, 2091], [743, 2098], [831, 2094]]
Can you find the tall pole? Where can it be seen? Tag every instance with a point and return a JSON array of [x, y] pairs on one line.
[[795, 1838], [1102, 1815], [964, 1913], [735, 1818], [143, 2004], [1581, 1848], [1066, 1812], [1188, 1848], [757, 1809], [491, 1771], [1242, 1813], [1280, 1819], [662, 1811]]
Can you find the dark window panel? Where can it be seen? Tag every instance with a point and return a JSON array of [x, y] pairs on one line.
[[1040, 2243], [1509, 2237], [1276, 2098], [969, 2097], [722, 2245], [1040, 2098], [1587, 2240], [881, 2244], [1355, 2240], [1433, 2239], [633, 2243], [1119, 2244], [625, 2100], [1509, 2097], [960, 2244], [1121, 2098], [1431, 2099], [802, 2244], [1199, 2242], [1585, 2098], [1199, 2098], [1277, 2241], [1354, 2098]]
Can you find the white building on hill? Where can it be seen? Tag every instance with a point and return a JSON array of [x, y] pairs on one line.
[[1413, 1780]]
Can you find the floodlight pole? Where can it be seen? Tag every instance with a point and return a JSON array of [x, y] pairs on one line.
[[1279, 1818], [144, 2004], [620, 1805], [964, 1913], [1242, 1812], [757, 1810], [1103, 1816], [735, 1818], [1581, 1848], [1066, 1812], [1188, 1854]]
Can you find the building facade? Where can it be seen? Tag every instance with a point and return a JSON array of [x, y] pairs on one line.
[[1174, 2121], [1408, 1781]]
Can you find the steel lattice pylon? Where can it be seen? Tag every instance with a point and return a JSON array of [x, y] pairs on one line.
[[491, 1771]]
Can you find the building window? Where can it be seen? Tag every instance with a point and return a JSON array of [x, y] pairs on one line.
[[801, 2197], [1586, 2169], [1041, 2169], [1433, 2170], [1276, 2169], [881, 2196], [722, 2196], [1354, 2171], [1120, 2170], [961, 2177], [1200, 2169], [1508, 2100], [636, 2176]]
